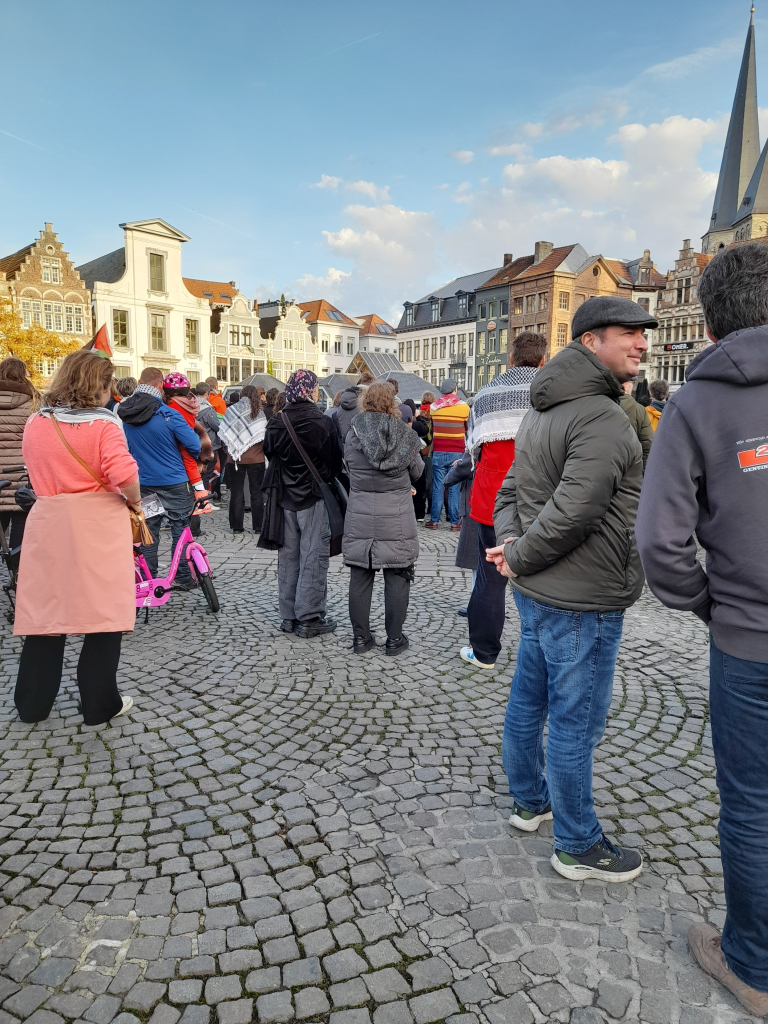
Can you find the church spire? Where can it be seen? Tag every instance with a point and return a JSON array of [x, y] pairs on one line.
[[742, 146]]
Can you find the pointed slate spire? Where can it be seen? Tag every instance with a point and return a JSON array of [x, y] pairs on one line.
[[742, 145]]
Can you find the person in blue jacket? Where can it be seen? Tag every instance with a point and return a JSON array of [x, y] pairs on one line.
[[155, 433]]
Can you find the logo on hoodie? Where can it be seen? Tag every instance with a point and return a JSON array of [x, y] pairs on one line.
[[754, 458]]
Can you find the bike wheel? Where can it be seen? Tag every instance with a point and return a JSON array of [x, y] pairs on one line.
[[208, 589]]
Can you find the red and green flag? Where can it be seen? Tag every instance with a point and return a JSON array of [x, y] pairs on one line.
[[100, 343]]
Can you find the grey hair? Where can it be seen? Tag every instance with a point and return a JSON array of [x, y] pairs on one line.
[[733, 290]]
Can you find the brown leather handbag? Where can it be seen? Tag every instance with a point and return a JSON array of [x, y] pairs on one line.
[[139, 528]]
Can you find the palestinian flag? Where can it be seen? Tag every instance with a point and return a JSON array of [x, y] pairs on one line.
[[99, 343]]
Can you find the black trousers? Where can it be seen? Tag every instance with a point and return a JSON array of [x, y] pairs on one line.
[[397, 589], [485, 611], [420, 497], [17, 521], [236, 482], [39, 678]]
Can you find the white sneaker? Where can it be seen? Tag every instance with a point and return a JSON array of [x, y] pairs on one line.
[[528, 821], [467, 654], [127, 705]]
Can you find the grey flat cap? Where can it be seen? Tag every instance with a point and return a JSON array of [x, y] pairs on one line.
[[448, 385], [605, 310]]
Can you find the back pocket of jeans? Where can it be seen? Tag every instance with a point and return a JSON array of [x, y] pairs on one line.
[[558, 631], [746, 678]]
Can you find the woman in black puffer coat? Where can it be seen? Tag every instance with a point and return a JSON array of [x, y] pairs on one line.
[[383, 461]]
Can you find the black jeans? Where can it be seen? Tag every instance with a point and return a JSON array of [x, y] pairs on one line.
[[485, 611], [397, 589], [420, 497], [17, 521], [236, 482], [39, 678]]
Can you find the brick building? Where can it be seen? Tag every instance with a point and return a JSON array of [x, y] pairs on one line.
[[682, 332], [45, 288]]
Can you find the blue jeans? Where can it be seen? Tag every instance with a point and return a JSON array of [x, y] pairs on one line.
[[441, 463], [738, 705], [178, 502], [565, 664]]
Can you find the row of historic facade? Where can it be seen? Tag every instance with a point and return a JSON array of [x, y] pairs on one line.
[[156, 316]]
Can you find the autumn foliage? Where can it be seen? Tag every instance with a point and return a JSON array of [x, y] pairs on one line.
[[36, 346]]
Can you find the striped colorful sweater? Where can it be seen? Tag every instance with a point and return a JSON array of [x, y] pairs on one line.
[[449, 427]]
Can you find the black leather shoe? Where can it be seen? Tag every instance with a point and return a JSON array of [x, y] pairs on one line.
[[395, 647], [288, 625], [306, 630], [364, 643], [462, 612]]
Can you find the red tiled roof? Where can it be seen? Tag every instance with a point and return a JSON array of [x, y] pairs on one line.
[[199, 288], [620, 269], [10, 264], [370, 320], [703, 258], [510, 271], [318, 309], [551, 263]]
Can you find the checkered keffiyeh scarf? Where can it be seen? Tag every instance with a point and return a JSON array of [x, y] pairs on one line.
[[499, 408], [239, 431]]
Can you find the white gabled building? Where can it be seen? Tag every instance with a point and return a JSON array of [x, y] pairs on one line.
[[237, 347], [287, 338], [335, 336], [151, 317]]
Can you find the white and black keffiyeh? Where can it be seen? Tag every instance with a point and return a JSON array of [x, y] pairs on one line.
[[499, 408], [239, 431]]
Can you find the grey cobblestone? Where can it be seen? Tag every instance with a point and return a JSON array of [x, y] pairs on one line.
[[298, 833]]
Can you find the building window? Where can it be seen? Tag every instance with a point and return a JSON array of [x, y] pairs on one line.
[[563, 300], [193, 337], [491, 371], [442, 348], [491, 341], [51, 271], [644, 302], [409, 316], [541, 329], [194, 377], [234, 370], [503, 307], [350, 346], [48, 315], [562, 335], [492, 309], [337, 345], [452, 346], [31, 312], [462, 346], [245, 335], [434, 348], [221, 368], [518, 305], [463, 305], [482, 311], [503, 340], [157, 332], [683, 290], [246, 369], [471, 340], [408, 351], [433, 376], [58, 317], [234, 335], [644, 276], [480, 370], [120, 328], [417, 350], [401, 351], [543, 300], [435, 310], [325, 342], [530, 303], [156, 272], [481, 343]]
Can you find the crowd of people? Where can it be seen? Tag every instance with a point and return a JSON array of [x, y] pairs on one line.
[[572, 480]]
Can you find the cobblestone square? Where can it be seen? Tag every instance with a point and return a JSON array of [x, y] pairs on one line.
[[282, 831]]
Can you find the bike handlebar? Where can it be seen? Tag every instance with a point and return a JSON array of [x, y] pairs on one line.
[[13, 469]]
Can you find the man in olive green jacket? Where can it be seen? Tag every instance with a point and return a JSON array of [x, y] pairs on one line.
[[566, 514], [639, 419]]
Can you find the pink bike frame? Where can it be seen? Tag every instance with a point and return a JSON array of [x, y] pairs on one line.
[[152, 592]]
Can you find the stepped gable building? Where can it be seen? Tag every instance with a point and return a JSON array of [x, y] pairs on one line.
[[681, 334], [44, 287], [436, 334], [740, 210]]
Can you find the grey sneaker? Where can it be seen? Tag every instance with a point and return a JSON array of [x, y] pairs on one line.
[[529, 821], [604, 861]]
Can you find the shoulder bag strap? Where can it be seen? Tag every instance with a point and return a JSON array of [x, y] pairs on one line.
[[74, 454], [300, 447]]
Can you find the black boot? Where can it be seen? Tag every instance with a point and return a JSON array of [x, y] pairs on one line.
[[317, 627], [395, 647], [364, 643]]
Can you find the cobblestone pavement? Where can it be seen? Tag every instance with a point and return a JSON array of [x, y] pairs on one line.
[[283, 831]]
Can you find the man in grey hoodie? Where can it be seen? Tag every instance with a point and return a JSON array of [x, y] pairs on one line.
[[707, 480]]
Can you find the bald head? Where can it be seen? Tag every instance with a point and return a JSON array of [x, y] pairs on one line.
[[152, 376]]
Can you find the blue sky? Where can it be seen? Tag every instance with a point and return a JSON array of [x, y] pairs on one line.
[[365, 151]]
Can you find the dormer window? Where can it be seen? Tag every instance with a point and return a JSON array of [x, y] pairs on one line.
[[435, 310], [644, 276], [409, 316], [463, 305]]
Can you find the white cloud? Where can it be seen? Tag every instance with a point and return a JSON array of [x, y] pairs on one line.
[[518, 149], [308, 286], [368, 188], [464, 156], [443, 186], [327, 181], [463, 193], [607, 108], [688, 63]]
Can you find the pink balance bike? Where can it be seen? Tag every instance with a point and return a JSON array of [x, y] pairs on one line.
[[152, 592]]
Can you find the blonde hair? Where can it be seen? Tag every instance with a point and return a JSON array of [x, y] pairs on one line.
[[81, 381], [379, 397]]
